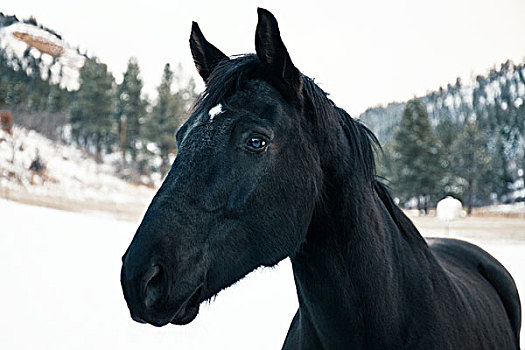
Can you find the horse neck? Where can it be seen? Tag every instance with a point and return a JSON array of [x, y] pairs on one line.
[[348, 273]]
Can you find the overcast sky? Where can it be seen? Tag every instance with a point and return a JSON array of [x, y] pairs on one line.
[[362, 52]]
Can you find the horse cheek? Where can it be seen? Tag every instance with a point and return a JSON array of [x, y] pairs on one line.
[[241, 193]]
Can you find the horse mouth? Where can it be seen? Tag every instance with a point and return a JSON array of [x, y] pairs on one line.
[[189, 310]]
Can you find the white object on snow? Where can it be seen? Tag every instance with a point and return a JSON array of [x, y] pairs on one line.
[[449, 208]]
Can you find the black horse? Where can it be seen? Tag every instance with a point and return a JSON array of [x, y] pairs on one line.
[[268, 168]]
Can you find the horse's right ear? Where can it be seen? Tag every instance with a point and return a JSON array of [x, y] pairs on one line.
[[205, 55], [272, 53]]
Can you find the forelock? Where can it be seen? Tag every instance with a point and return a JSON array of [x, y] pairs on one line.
[[228, 77]]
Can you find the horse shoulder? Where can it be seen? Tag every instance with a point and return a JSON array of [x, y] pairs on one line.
[[485, 288]]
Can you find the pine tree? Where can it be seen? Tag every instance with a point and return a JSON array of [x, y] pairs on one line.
[[183, 98], [415, 155], [159, 117], [14, 80], [56, 99], [470, 159], [131, 108], [502, 179], [35, 87], [168, 113], [90, 114], [446, 133]]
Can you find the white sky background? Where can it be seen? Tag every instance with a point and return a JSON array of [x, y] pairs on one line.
[[362, 52]]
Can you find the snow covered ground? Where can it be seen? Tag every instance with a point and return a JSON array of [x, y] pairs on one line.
[[61, 290]]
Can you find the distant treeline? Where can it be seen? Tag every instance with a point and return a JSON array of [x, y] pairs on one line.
[[465, 140], [101, 116]]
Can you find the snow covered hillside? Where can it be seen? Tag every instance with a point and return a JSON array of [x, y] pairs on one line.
[[72, 180], [65, 62]]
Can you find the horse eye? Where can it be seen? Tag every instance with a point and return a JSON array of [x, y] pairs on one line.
[[256, 143]]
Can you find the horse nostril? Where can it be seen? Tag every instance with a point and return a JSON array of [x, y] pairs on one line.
[[155, 283]]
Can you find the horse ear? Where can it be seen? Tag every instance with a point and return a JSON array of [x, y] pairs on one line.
[[271, 50], [205, 55]]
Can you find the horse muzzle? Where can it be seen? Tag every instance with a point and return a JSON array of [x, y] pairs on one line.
[[153, 297]]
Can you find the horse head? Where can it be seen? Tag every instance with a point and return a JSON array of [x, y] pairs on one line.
[[243, 187]]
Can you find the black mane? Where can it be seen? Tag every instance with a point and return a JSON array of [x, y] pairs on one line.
[[228, 77]]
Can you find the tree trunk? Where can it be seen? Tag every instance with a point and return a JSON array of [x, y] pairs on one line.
[[98, 148], [123, 125], [470, 190]]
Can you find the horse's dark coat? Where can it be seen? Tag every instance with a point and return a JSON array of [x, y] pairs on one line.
[[365, 277]]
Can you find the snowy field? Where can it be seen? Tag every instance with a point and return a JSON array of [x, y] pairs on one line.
[[61, 290]]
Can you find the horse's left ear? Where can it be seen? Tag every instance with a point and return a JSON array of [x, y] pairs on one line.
[[205, 55], [273, 54]]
